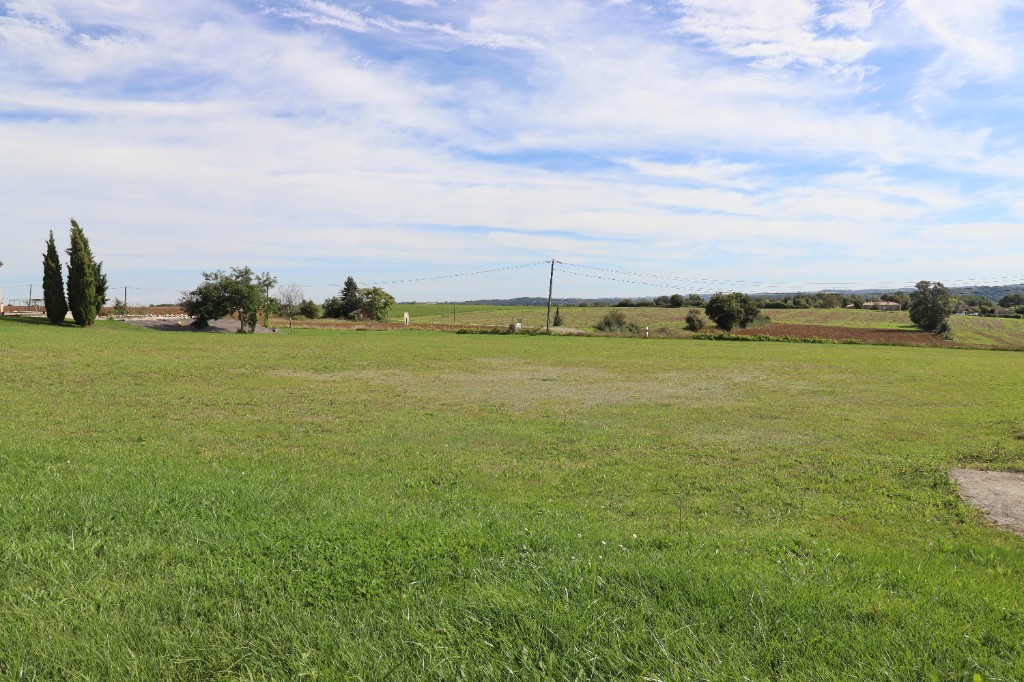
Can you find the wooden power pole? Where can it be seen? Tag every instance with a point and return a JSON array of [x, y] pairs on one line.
[[551, 286]]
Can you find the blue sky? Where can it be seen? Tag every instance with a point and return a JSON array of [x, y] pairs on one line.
[[798, 143]]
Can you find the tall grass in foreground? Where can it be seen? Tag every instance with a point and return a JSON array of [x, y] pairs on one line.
[[413, 505]]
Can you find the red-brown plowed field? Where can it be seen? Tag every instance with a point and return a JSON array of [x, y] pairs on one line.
[[900, 337]]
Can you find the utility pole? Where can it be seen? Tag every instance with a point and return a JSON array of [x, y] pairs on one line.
[[551, 286], [126, 298], [30, 307]]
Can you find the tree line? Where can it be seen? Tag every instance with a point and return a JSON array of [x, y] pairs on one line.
[[86, 291], [242, 293], [929, 305]]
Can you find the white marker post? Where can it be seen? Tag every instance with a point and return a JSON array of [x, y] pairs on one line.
[[405, 318]]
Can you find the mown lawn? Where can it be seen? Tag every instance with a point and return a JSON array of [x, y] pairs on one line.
[[424, 505]]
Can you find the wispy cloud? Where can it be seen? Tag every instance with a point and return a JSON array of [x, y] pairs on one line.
[[724, 138]]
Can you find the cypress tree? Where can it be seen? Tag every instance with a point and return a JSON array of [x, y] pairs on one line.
[[81, 278], [53, 284], [101, 287]]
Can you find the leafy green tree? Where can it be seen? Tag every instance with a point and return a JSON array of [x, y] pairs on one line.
[[240, 292], [676, 300], [930, 305], [53, 284], [351, 300], [1011, 300], [694, 301], [731, 310], [378, 302], [82, 281]]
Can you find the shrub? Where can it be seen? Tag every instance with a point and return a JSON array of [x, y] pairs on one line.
[[309, 309], [760, 320], [334, 307], [695, 320], [615, 321], [558, 317]]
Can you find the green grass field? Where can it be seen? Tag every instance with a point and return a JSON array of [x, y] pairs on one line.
[[982, 331], [411, 505]]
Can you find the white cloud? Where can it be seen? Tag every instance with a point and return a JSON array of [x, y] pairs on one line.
[[196, 135], [780, 34], [708, 172], [974, 38]]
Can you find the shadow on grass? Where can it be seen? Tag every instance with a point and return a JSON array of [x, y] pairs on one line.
[[39, 321]]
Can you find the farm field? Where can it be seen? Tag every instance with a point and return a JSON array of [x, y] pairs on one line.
[[979, 331], [417, 505], [535, 316]]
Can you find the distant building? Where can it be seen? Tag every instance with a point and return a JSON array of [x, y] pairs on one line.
[[882, 305]]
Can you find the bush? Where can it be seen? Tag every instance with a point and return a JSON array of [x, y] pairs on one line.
[[334, 307], [558, 317], [310, 309], [615, 321], [760, 320], [695, 320], [731, 310]]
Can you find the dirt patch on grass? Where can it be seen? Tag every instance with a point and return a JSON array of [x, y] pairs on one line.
[[999, 494], [893, 337]]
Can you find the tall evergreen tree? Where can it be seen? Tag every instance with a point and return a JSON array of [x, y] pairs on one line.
[[101, 287], [53, 284], [81, 278], [351, 301]]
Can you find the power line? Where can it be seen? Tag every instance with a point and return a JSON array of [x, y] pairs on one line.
[[986, 281], [462, 274]]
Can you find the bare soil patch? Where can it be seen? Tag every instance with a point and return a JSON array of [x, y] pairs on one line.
[[894, 337], [999, 494]]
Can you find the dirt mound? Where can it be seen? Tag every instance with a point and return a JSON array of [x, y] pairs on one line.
[[893, 337]]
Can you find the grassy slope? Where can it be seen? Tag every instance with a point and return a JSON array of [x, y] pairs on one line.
[[195, 506]]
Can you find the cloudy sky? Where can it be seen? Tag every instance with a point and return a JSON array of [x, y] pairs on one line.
[[680, 145]]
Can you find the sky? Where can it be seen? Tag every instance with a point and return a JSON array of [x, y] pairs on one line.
[[649, 147]]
